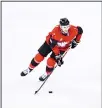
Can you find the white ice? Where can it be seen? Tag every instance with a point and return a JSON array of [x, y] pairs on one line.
[[77, 84]]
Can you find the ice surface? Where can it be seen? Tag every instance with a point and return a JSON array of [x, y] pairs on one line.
[[77, 84]]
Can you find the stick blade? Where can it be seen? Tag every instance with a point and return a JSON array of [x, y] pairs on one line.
[[36, 92]]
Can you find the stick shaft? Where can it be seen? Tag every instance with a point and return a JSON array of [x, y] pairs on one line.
[[48, 76]]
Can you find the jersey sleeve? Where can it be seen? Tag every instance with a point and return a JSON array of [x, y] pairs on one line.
[[52, 42], [79, 35]]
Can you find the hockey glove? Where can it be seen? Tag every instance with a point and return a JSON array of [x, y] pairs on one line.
[[59, 60], [74, 44]]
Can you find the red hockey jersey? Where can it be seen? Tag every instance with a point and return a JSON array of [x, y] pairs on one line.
[[63, 42]]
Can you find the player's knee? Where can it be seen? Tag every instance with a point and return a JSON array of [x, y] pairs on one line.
[[50, 62], [38, 58]]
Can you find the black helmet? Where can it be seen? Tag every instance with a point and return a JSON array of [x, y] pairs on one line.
[[64, 22]]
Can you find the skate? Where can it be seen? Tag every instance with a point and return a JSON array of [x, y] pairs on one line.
[[25, 72], [43, 77]]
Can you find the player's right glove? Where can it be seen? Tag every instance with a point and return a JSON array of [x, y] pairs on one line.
[[59, 59], [74, 44]]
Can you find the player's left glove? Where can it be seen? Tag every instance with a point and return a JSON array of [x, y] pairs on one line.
[[59, 60], [74, 44]]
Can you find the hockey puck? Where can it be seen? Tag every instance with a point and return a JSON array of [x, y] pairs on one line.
[[50, 91]]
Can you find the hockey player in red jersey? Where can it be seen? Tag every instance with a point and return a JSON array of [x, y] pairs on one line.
[[60, 39]]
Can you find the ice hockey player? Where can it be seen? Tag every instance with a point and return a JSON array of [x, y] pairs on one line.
[[63, 37]]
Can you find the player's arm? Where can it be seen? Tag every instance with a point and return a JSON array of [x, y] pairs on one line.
[[55, 49], [78, 37], [52, 42], [53, 45]]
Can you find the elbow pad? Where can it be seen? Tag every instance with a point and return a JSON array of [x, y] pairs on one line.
[[80, 30]]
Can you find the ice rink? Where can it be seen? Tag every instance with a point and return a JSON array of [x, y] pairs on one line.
[[77, 84]]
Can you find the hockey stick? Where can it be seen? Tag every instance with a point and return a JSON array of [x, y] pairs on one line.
[[49, 75], [42, 84]]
